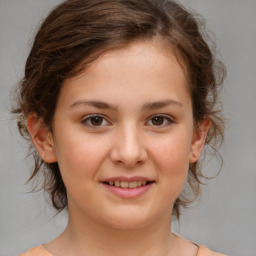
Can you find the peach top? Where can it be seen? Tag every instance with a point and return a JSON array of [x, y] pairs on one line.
[[40, 251]]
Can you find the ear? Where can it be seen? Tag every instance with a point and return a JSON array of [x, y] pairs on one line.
[[42, 138], [199, 140]]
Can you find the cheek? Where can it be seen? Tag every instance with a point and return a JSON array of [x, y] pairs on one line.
[[79, 159], [172, 159], [173, 151]]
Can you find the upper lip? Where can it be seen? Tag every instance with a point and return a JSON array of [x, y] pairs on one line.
[[127, 179]]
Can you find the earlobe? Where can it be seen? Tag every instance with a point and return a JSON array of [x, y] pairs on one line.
[[199, 140], [42, 138]]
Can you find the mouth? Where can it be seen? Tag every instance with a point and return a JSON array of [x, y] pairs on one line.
[[127, 184], [128, 187]]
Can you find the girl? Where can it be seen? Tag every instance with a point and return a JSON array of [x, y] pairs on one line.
[[118, 101]]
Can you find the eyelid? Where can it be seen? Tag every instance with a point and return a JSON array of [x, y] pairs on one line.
[[88, 117], [170, 120]]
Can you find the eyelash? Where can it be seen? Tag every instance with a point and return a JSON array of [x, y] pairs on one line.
[[167, 120], [89, 118]]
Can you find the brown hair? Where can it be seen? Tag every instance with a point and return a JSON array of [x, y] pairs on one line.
[[77, 32]]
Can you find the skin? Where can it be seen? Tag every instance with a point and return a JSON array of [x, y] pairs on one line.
[[128, 141]]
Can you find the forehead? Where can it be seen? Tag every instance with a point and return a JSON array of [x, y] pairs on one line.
[[143, 67], [155, 54]]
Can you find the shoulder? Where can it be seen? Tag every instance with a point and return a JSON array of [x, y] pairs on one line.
[[36, 251], [204, 251]]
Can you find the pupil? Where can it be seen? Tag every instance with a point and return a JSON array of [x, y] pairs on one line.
[[158, 120], [96, 120]]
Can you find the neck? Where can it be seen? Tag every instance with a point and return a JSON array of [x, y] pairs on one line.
[[87, 237]]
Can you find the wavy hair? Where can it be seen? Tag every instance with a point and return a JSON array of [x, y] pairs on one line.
[[77, 32]]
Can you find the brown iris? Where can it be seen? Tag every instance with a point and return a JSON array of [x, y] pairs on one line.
[[96, 121], [157, 120]]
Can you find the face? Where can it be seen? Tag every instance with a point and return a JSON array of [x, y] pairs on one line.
[[123, 137]]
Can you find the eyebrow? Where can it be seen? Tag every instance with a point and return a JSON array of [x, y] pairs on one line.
[[96, 104], [160, 104], [147, 106]]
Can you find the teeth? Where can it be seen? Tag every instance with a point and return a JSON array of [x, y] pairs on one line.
[[133, 184], [117, 183], [125, 184]]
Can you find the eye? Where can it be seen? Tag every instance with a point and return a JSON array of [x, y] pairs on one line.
[[160, 120], [95, 121]]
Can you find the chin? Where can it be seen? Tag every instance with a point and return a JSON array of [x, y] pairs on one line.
[[128, 224], [129, 219]]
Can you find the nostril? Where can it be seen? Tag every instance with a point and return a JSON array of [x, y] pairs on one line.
[[128, 152]]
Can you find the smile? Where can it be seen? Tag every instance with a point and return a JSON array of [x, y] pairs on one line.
[[125, 184], [128, 187]]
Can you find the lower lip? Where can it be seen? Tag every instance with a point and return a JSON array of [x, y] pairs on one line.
[[129, 192]]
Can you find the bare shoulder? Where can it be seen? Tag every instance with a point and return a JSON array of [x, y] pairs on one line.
[[186, 247], [205, 251], [36, 251]]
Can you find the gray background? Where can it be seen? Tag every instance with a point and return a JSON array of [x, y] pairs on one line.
[[225, 218]]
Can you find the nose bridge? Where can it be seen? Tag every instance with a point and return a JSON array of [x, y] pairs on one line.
[[129, 148]]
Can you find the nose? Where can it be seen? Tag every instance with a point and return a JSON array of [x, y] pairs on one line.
[[128, 148]]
